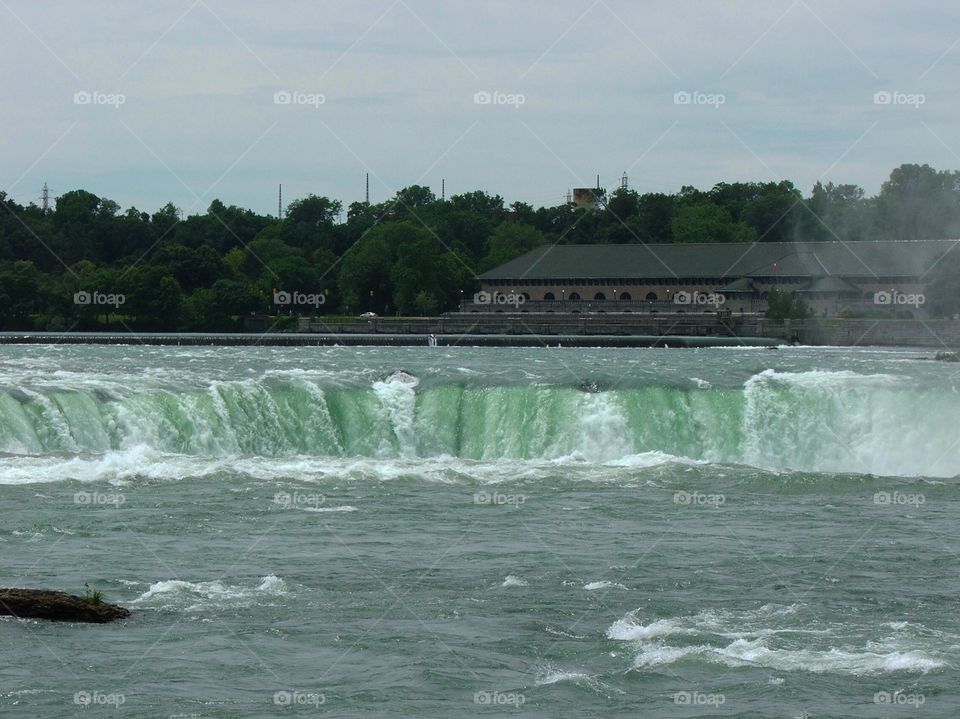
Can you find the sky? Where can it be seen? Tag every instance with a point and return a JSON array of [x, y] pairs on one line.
[[186, 101]]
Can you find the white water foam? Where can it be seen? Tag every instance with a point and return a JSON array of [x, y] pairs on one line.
[[513, 581], [830, 660], [844, 422], [197, 596], [755, 635], [592, 586], [398, 396], [143, 462]]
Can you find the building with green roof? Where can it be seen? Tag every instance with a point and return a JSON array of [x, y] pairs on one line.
[[831, 276]]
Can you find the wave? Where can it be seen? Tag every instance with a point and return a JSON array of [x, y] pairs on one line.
[[513, 581], [817, 421], [741, 653], [768, 638], [593, 586], [198, 596]]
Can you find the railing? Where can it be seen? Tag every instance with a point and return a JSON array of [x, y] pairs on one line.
[[518, 304]]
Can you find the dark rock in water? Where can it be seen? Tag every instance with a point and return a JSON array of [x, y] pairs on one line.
[[57, 606]]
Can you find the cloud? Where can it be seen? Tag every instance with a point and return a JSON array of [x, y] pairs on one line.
[[599, 80]]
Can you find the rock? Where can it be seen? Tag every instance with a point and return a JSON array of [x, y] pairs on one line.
[[57, 606]]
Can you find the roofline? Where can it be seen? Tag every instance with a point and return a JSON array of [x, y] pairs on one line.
[[799, 245]]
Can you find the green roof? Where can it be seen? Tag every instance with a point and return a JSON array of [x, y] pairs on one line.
[[831, 285], [741, 285], [865, 260]]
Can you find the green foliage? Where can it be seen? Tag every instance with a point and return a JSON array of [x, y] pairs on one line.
[[706, 222], [413, 254], [782, 305], [92, 596]]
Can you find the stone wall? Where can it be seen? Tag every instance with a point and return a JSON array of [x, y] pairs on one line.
[[938, 334]]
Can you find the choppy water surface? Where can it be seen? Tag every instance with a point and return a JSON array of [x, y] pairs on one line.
[[468, 532]]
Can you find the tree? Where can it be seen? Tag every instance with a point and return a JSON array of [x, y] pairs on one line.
[[782, 305], [834, 211], [154, 297], [422, 274], [364, 277], [656, 212], [510, 240], [773, 212], [706, 222], [314, 211], [623, 203], [919, 203]]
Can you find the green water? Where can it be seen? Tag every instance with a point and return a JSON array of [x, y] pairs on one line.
[[483, 532]]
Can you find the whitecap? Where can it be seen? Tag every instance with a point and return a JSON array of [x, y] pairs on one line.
[[591, 586]]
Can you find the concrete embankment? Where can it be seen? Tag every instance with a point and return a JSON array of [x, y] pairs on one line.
[[290, 339]]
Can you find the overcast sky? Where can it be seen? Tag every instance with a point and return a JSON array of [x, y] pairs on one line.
[[178, 100]]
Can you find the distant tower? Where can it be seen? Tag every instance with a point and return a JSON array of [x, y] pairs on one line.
[[46, 198], [280, 203], [623, 181], [368, 188], [569, 197], [443, 190], [598, 182]]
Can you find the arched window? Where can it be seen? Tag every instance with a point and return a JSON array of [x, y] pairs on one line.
[[626, 296], [574, 295], [526, 296], [548, 296], [599, 296], [652, 296]]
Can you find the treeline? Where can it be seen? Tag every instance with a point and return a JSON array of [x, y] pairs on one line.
[[87, 265]]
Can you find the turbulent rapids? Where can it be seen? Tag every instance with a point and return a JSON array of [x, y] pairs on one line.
[[811, 421]]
